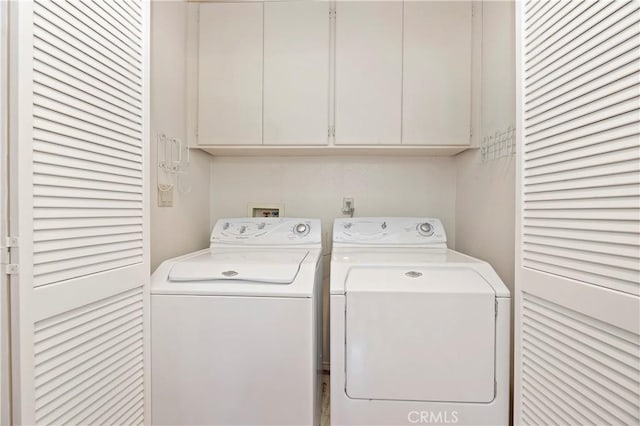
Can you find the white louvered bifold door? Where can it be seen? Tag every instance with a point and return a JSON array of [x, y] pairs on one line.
[[80, 299], [578, 258]]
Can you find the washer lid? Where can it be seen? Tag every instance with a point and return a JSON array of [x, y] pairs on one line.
[[271, 267]]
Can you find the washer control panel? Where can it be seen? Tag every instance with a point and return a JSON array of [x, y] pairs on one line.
[[266, 231], [392, 231]]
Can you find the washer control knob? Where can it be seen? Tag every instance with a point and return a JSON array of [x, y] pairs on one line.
[[261, 225], [425, 229], [301, 229]]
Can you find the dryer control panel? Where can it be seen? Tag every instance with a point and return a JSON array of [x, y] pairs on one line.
[[389, 231], [262, 231]]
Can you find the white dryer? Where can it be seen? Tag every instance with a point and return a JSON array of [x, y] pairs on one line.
[[236, 328], [419, 333]]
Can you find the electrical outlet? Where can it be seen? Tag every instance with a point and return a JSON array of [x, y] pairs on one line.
[[165, 195], [347, 206]]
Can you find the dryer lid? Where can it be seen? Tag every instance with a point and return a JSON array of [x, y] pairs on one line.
[[270, 267], [422, 334], [434, 279]]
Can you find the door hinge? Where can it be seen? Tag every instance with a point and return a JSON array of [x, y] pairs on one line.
[[5, 255], [496, 308]]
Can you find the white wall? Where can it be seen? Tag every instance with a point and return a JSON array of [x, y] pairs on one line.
[[315, 186], [485, 207], [185, 226]]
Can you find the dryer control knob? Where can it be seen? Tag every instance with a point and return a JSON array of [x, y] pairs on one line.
[[301, 229], [425, 229]]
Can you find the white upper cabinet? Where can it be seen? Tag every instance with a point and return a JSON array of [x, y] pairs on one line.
[[368, 81], [281, 76], [296, 73], [436, 92], [230, 73]]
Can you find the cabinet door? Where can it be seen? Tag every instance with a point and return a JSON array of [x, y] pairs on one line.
[[436, 100], [296, 73], [368, 73], [230, 74]]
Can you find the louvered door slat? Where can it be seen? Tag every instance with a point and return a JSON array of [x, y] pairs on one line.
[[553, 41], [563, 106], [566, 347], [129, 401], [613, 164], [586, 109], [76, 60], [538, 9], [82, 358], [557, 14], [626, 109], [121, 14], [603, 74], [575, 40], [107, 13], [52, 92], [47, 39], [87, 358], [46, 181], [542, 340], [69, 414], [110, 34], [591, 146], [76, 156], [577, 59], [75, 193], [552, 397], [610, 191], [59, 113], [80, 133], [84, 383], [108, 203], [69, 269], [117, 33], [607, 388], [60, 235], [610, 121], [69, 74], [96, 223], [578, 263], [74, 136], [602, 248], [565, 233], [57, 23]]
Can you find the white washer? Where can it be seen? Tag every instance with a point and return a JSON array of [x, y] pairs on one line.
[[235, 329], [419, 333]]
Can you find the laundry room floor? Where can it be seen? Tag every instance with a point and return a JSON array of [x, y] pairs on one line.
[[325, 414]]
